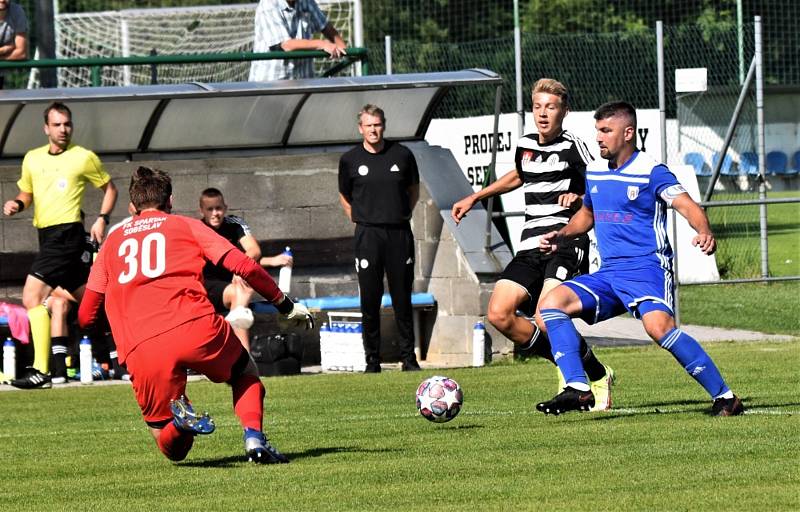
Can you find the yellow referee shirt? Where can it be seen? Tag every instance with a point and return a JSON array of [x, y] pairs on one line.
[[57, 182]]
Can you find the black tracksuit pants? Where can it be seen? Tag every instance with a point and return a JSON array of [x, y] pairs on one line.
[[388, 248]]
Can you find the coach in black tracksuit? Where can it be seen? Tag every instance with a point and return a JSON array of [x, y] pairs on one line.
[[378, 188]]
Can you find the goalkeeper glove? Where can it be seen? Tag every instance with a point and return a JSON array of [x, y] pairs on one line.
[[296, 312]]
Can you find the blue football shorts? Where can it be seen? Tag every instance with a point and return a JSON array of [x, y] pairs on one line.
[[612, 291]]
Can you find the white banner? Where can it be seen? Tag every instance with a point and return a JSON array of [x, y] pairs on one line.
[[693, 265], [470, 141]]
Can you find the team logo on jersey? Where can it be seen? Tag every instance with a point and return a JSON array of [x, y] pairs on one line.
[[395, 168], [62, 184], [363, 170], [553, 160], [527, 156], [633, 192]]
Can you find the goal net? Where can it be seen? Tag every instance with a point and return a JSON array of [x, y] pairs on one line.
[[166, 31]]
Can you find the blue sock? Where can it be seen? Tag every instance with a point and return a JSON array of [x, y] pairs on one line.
[[565, 344], [695, 361]]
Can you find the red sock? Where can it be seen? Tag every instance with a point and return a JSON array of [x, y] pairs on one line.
[[174, 443], [248, 401]]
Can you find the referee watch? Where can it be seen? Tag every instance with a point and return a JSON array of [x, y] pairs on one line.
[[105, 217]]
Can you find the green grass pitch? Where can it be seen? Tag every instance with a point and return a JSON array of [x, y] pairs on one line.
[[357, 443]]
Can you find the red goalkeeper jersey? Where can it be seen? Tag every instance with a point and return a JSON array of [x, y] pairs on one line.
[[150, 270]]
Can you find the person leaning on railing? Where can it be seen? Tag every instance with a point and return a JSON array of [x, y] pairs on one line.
[[13, 34], [290, 25]]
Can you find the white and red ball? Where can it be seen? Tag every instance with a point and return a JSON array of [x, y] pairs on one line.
[[439, 399]]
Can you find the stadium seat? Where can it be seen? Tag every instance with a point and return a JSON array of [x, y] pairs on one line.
[[795, 163], [697, 161], [777, 162], [749, 163], [727, 165]]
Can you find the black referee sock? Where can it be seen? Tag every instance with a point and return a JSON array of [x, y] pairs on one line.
[[591, 365], [59, 349]]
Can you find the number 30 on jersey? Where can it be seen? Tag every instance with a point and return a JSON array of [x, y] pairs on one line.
[[150, 258]]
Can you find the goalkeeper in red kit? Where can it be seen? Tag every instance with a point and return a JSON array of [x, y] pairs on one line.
[[148, 277]]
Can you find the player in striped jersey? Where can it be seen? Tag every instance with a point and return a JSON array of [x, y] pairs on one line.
[[550, 167], [627, 205]]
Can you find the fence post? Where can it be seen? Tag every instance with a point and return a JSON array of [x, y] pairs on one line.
[[46, 37], [125, 42], [491, 176], [387, 45], [662, 89], [153, 69], [740, 38], [662, 111], [762, 187], [358, 34], [518, 67], [96, 76]]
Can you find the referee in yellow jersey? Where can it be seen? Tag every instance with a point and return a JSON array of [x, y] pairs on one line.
[[55, 177]]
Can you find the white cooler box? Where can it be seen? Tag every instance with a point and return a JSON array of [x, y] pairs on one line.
[[340, 344]]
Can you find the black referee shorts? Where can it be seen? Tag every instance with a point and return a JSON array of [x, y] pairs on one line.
[[60, 259], [531, 268]]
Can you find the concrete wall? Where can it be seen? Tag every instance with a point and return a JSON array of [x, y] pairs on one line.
[[295, 197], [279, 196]]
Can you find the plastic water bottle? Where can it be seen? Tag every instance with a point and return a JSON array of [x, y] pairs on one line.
[[478, 344], [9, 359], [285, 275], [86, 360]]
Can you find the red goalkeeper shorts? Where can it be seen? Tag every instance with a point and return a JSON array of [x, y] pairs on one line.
[[158, 366]]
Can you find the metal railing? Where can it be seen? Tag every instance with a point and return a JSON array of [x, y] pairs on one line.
[[98, 63], [765, 277]]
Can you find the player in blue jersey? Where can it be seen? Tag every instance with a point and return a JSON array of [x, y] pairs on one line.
[[627, 205]]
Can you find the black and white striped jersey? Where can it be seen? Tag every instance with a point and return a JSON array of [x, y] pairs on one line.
[[548, 171]]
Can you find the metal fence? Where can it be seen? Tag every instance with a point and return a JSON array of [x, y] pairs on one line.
[[599, 67]]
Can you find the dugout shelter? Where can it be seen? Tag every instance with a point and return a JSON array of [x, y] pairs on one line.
[[273, 149]]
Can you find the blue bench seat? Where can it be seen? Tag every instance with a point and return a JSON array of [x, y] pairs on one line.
[[418, 300]]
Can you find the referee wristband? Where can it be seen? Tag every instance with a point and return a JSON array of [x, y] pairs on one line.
[[20, 204], [105, 217]]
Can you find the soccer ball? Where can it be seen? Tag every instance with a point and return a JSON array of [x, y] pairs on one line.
[[439, 399]]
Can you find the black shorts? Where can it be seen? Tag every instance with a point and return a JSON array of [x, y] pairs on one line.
[[215, 289], [60, 261], [531, 268]]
